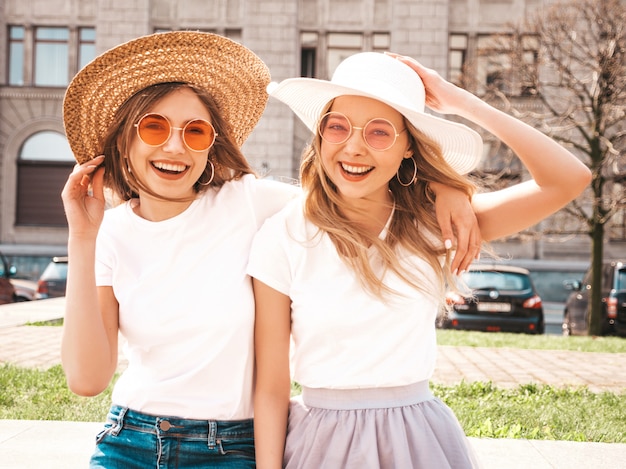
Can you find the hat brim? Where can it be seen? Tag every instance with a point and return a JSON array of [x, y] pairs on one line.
[[235, 77], [308, 97]]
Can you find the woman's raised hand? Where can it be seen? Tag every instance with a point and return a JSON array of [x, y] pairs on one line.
[[441, 95], [83, 198]]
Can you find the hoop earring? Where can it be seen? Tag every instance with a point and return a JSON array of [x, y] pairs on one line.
[[413, 179], [212, 175]]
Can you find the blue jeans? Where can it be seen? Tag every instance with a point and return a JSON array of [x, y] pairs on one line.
[[132, 440]]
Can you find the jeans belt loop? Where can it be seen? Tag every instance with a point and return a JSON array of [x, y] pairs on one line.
[[120, 422], [212, 433]]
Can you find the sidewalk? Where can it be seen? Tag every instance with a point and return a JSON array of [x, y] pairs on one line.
[[66, 445]]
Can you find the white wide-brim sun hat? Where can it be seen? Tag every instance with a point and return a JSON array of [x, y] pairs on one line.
[[386, 79]]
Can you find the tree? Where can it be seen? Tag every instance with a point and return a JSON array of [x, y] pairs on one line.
[[563, 69]]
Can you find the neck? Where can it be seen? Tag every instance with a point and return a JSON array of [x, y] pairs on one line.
[[153, 209], [371, 215]]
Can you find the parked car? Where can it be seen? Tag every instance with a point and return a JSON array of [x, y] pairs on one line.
[[25, 290], [552, 280], [7, 290], [53, 279], [576, 316], [503, 298]]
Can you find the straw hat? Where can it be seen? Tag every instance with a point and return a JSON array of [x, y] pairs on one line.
[[379, 76], [235, 77]]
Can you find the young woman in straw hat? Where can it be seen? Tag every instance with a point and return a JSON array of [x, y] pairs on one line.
[[355, 271], [168, 113]]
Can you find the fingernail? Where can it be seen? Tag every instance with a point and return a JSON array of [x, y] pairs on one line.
[[455, 271], [447, 243]]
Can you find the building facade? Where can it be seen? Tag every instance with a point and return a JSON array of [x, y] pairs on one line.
[[45, 42]]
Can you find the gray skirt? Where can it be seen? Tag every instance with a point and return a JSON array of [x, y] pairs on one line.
[[402, 427]]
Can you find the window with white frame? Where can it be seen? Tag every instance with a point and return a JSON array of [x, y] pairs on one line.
[[16, 56], [86, 46], [51, 48], [51, 57]]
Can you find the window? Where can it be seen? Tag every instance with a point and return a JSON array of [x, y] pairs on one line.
[[340, 47], [86, 46], [307, 63], [480, 280], [51, 49], [456, 57], [381, 42], [51, 57], [321, 53], [45, 160], [507, 64], [16, 55], [308, 54]]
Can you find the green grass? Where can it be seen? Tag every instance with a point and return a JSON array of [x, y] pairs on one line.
[[537, 412], [51, 322], [608, 344], [30, 394], [528, 411]]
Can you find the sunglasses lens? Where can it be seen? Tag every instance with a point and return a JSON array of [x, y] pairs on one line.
[[153, 129], [379, 134], [199, 135], [335, 127]]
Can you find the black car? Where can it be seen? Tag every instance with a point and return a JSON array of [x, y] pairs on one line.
[[552, 279], [53, 279], [576, 315], [503, 298]]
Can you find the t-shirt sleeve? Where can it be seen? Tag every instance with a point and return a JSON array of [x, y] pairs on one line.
[[104, 271], [105, 253], [269, 259]]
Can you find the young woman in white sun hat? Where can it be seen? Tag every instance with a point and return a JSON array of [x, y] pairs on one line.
[[159, 121], [355, 271]]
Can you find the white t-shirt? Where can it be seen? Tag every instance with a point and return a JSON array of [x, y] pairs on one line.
[[342, 336], [186, 307]]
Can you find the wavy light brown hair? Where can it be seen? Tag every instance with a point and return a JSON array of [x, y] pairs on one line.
[[413, 220], [228, 161]]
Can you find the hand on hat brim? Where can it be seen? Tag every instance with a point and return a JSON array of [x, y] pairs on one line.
[[439, 92]]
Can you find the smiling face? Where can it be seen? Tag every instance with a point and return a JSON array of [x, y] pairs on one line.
[[358, 171], [171, 169]]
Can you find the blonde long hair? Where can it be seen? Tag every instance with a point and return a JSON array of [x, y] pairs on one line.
[[414, 216]]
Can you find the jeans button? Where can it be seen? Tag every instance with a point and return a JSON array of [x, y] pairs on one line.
[[165, 425]]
